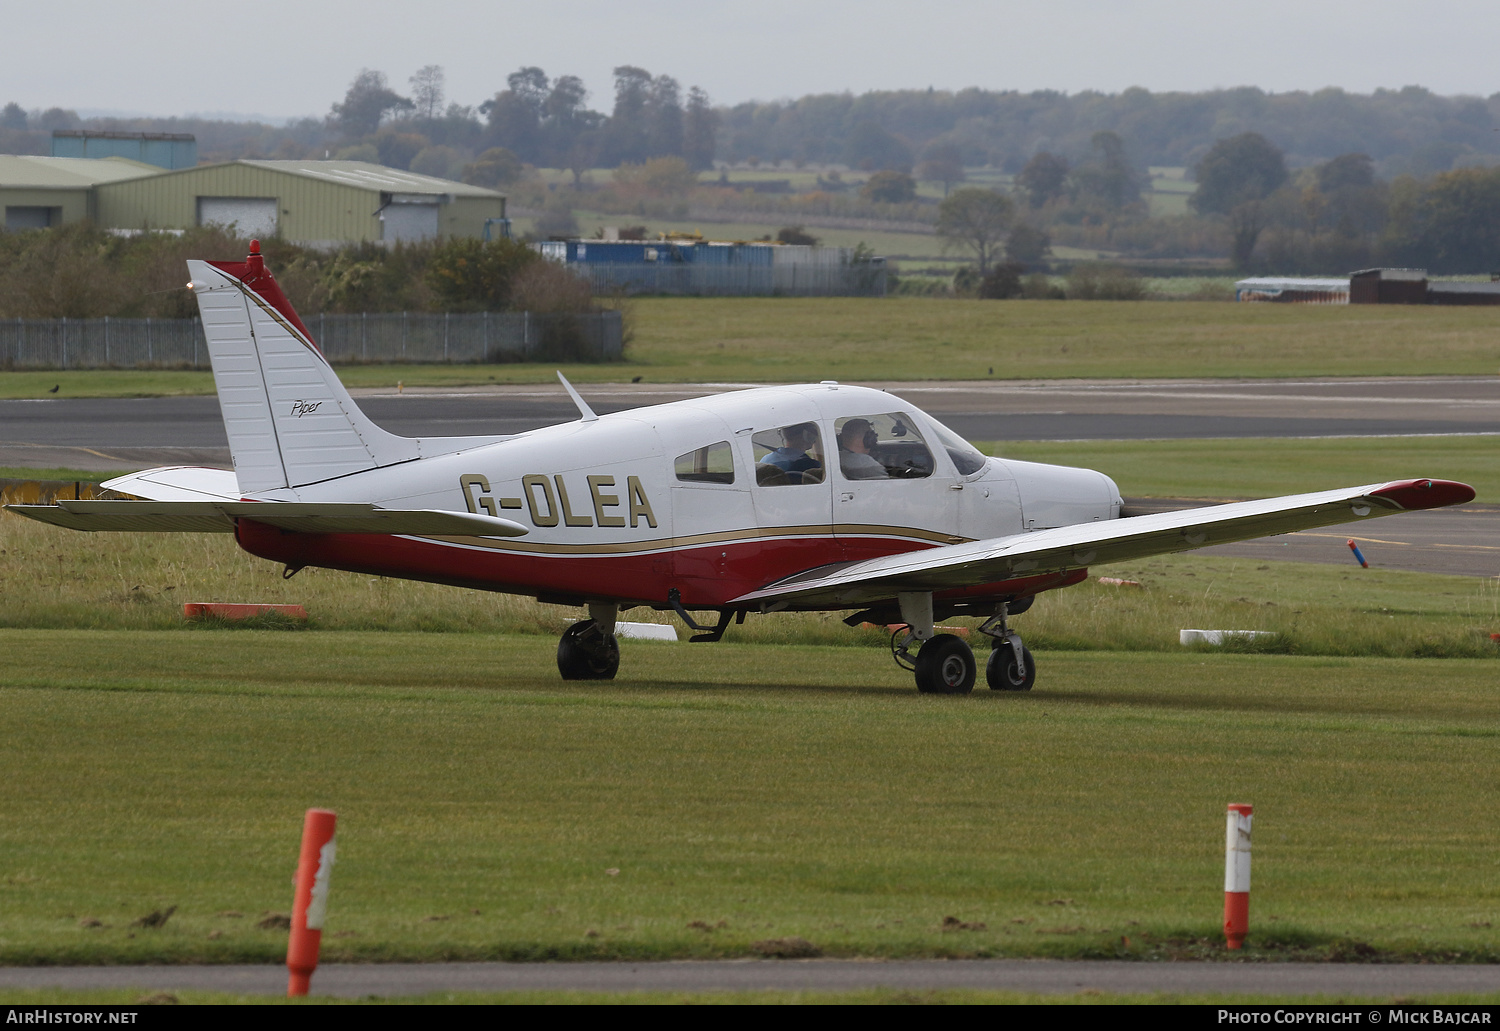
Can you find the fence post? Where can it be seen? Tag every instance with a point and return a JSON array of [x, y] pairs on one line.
[[404, 321], [484, 338], [65, 342], [447, 317], [525, 335], [364, 350]]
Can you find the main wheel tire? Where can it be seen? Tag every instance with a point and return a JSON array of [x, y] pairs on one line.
[[945, 665], [585, 654], [1001, 670]]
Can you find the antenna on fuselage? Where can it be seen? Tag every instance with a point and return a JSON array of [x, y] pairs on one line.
[[585, 413]]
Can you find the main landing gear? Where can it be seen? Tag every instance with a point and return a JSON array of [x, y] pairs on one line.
[[588, 649], [945, 664]]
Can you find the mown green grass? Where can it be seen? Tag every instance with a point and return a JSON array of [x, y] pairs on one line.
[[761, 791], [1262, 467], [767, 339], [58, 579]]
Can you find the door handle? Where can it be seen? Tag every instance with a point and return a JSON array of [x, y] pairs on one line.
[[846, 496], [955, 486]]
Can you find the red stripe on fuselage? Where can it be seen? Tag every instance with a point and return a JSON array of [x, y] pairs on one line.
[[707, 576]]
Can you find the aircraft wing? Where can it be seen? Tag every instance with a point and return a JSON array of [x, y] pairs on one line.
[[302, 517], [1114, 540]]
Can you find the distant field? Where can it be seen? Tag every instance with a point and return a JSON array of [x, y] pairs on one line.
[[766, 339], [716, 797], [771, 340]]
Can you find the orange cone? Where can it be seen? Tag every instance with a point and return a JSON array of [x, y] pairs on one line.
[[1237, 876], [310, 904]]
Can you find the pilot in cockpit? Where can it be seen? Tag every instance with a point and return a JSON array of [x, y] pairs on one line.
[[856, 439]]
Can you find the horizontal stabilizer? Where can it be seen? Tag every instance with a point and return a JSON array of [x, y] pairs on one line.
[[1100, 543], [301, 517], [178, 483]]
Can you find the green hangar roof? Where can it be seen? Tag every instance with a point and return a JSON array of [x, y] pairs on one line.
[[18, 171], [377, 178], [315, 203], [38, 192]]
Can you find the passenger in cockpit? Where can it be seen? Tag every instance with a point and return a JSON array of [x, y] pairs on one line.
[[792, 456]]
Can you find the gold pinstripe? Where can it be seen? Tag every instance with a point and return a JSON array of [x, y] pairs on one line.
[[744, 536]]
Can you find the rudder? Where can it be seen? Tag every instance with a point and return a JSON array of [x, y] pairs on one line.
[[289, 420]]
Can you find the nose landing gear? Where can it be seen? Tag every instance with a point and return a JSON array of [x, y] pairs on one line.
[[1010, 667]]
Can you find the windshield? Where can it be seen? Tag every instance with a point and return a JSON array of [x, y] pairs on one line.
[[965, 456]]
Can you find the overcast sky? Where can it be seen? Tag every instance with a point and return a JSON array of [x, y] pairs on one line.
[[281, 58]]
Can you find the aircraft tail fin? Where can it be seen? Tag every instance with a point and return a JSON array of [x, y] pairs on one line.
[[290, 421]]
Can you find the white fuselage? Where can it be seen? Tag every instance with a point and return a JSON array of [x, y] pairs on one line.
[[617, 510]]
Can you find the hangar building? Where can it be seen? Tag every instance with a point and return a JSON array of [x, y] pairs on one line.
[[163, 149], [314, 203], [38, 192]]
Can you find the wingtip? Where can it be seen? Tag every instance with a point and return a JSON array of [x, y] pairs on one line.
[[1417, 495]]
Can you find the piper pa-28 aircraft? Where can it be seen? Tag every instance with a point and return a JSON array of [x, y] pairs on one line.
[[817, 497]]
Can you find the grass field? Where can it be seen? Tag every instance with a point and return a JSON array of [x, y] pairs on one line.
[[713, 799], [771, 340]]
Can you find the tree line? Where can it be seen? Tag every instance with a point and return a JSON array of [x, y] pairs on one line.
[[547, 121]]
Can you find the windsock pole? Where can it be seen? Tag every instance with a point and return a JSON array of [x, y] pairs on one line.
[[1237, 876], [310, 903]]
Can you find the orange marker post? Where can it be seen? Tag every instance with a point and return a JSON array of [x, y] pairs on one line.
[[1237, 876], [310, 903]]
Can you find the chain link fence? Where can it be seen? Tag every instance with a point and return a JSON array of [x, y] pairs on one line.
[[375, 338]]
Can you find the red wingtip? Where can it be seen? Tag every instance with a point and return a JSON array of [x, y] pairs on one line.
[[1414, 495]]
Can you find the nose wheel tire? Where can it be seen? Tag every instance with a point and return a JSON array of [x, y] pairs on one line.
[[586, 654], [1002, 673], [945, 665]]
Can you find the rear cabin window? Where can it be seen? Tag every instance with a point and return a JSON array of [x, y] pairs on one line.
[[789, 455], [711, 464], [882, 447]]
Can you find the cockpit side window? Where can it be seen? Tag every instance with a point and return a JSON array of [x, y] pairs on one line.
[[882, 447], [713, 463], [788, 456]]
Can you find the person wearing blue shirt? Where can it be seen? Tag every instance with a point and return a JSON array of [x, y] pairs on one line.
[[792, 457]]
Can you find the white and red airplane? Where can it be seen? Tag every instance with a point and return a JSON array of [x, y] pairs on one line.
[[817, 497]]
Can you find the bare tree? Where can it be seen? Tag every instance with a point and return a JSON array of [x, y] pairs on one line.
[[427, 90], [976, 220]]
